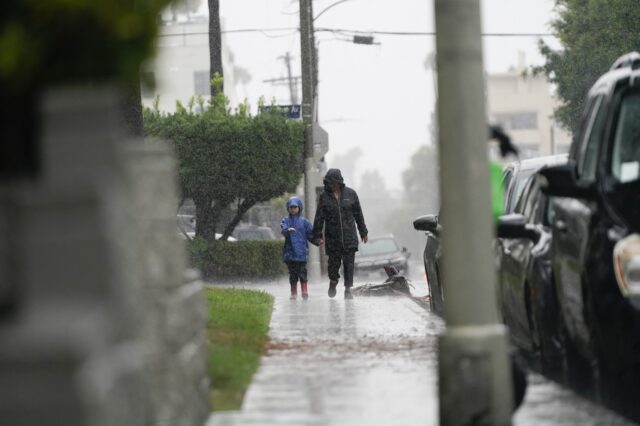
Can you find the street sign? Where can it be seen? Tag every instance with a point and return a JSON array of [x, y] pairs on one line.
[[289, 111]]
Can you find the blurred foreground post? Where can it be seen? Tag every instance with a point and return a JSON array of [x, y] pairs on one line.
[[307, 48], [474, 369]]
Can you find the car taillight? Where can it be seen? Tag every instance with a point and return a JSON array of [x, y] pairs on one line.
[[626, 263]]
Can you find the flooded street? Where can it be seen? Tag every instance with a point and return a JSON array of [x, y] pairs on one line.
[[369, 361]]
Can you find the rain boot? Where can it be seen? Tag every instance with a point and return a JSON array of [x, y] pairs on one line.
[[294, 291], [332, 288], [303, 287], [347, 293]]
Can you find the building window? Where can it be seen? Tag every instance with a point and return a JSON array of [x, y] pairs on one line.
[[148, 82], [201, 83], [518, 120], [529, 150]]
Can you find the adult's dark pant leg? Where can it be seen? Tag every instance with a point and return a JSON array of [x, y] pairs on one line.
[[333, 267], [348, 260]]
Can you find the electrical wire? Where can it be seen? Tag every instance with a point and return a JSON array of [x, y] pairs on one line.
[[347, 32], [425, 33]]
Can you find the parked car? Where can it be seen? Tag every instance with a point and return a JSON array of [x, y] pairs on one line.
[[514, 179], [432, 260], [517, 173], [526, 294], [253, 232], [595, 218], [187, 227], [432, 256], [378, 252]]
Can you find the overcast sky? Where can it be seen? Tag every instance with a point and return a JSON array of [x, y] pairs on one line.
[[379, 98]]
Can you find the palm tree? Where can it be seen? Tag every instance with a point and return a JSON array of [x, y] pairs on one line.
[[215, 44]]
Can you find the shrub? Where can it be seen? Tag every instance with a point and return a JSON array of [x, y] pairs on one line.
[[229, 157], [240, 259], [61, 41]]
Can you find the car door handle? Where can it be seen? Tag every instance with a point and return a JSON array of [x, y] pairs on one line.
[[560, 225]]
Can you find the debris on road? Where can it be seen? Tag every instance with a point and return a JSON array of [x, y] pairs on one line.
[[394, 285]]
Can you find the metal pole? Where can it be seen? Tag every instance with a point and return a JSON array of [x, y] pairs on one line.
[[474, 370], [308, 103]]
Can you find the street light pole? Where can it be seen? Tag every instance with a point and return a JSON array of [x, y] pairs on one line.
[[474, 368], [307, 49]]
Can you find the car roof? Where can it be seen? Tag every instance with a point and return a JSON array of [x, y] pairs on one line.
[[537, 162], [625, 67]]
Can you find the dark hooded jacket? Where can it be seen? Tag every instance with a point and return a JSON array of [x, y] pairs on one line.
[[338, 219]]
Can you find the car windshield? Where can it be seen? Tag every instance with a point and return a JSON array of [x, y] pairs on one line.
[[626, 149], [378, 246], [521, 181]]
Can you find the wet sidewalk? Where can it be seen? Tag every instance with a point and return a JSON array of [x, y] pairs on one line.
[[368, 361]]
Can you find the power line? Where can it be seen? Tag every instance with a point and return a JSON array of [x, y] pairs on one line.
[[292, 31], [427, 33]]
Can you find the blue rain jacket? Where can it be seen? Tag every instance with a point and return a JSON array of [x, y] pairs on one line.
[[296, 248]]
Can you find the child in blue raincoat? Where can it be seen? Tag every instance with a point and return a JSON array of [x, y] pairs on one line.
[[297, 231]]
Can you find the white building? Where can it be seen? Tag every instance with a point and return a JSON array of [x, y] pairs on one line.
[[181, 67], [523, 106]]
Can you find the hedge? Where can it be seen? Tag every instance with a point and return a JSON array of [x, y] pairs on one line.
[[238, 259]]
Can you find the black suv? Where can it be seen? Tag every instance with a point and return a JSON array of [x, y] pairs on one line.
[[596, 211]]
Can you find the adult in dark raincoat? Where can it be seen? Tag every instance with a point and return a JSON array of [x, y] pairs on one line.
[[337, 215]]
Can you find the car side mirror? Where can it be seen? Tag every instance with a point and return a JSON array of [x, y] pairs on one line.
[[427, 223], [405, 252], [561, 181], [514, 226]]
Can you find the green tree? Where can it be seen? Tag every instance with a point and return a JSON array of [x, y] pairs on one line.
[[55, 42], [593, 33], [227, 157], [420, 197], [178, 7]]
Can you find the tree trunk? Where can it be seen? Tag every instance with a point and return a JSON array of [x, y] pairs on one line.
[[215, 43], [244, 207], [205, 225], [207, 217]]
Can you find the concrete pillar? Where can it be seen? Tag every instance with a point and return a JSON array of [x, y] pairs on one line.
[[474, 371], [107, 330]]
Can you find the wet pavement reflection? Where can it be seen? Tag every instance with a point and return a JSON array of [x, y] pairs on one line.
[[369, 361]]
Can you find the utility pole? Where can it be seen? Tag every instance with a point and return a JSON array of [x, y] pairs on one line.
[[474, 368], [290, 80], [293, 87], [307, 49]]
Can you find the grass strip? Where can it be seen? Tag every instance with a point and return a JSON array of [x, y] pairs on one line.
[[237, 326]]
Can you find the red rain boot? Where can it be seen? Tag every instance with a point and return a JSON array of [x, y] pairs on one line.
[[294, 291], [303, 286]]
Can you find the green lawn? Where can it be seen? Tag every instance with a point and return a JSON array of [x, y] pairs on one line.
[[237, 326]]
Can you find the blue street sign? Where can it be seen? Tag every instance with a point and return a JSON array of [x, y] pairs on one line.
[[289, 111]]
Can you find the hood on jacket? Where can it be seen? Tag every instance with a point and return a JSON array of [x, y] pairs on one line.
[[333, 176], [295, 201]]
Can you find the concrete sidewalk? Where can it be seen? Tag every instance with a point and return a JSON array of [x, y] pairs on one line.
[[344, 362], [369, 361]]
